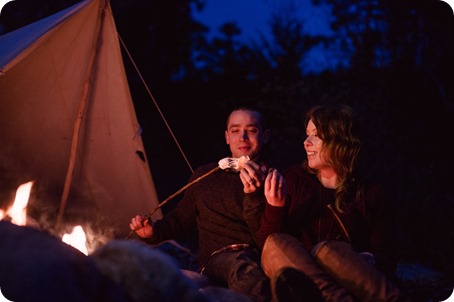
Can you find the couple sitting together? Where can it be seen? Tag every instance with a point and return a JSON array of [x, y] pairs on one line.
[[318, 231]]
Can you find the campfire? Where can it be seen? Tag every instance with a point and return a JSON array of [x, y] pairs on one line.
[[17, 214], [39, 266]]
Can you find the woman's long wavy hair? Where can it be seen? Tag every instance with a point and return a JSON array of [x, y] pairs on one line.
[[341, 146]]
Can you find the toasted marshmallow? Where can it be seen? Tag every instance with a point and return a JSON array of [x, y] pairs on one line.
[[233, 163]]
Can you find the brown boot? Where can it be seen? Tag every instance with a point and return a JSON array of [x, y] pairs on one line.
[[355, 273], [292, 285], [284, 251]]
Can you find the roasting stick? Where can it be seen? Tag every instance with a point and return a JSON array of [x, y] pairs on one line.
[[225, 163], [175, 194]]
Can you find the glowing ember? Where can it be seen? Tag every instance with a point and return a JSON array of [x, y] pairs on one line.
[[76, 239], [18, 211]]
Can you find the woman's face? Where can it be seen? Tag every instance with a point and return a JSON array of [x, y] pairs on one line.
[[313, 145]]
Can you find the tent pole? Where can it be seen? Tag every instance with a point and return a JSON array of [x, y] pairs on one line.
[[80, 117]]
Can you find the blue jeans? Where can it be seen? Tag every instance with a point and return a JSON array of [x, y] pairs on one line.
[[240, 271]]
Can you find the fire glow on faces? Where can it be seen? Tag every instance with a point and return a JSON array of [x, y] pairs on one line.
[[244, 134]]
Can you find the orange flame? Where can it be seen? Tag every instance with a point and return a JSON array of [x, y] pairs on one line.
[[76, 239], [18, 214], [17, 211]]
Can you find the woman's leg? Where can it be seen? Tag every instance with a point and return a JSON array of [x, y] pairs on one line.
[[355, 273], [283, 250]]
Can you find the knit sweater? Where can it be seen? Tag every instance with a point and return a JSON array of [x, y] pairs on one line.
[[217, 207]]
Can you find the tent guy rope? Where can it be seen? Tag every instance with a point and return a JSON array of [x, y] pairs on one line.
[[155, 103]]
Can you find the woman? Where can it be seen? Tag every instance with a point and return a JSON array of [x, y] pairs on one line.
[[327, 221]]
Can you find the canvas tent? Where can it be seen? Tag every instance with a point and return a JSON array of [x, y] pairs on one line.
[[66, 114]]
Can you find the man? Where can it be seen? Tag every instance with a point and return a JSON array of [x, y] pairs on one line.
[[226, 221]]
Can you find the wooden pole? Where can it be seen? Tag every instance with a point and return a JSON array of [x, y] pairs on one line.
[[80, 117]]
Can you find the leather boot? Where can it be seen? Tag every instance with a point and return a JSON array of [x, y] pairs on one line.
[[292, 285], [355, 273], [282, 250]]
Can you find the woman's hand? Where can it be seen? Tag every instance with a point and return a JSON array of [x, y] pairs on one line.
[[275, 189], [142, 226]]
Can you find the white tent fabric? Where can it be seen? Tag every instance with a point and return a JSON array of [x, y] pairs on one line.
[[66, 114]]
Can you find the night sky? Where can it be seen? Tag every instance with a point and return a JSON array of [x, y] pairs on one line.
[[253, 18]]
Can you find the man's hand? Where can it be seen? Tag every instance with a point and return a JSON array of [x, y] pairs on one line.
[[252, 176], [142, 226]]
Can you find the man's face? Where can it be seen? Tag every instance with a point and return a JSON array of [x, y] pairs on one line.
[[245, 134]]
